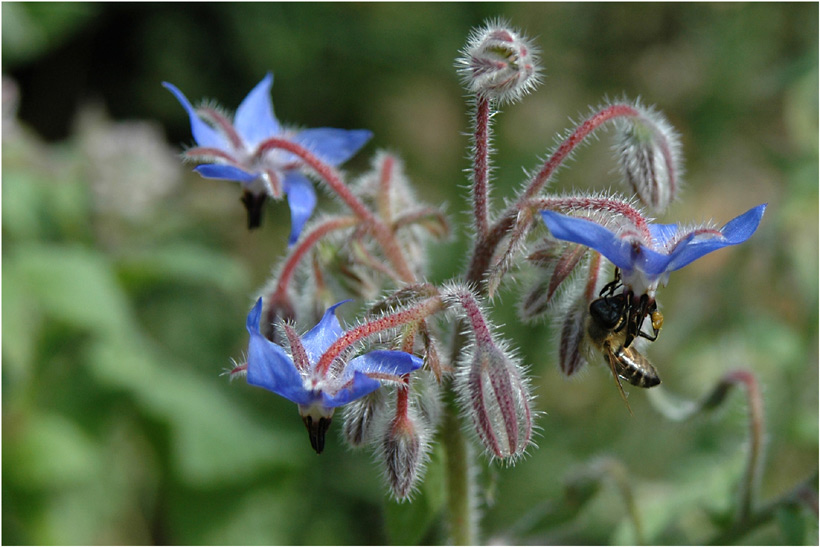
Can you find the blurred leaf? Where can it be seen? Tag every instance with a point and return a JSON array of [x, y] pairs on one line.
[[74, 517], [35, 205], [48, 451], [792, 525], [188, 263], [21, 195], [701, 495], [801, 109], [213, 440], [19, 328], [71, 284], [408, 523], [253, 522]]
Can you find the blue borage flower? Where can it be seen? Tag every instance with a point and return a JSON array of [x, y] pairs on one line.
[[646, 262], [294, 376], [230, 150]]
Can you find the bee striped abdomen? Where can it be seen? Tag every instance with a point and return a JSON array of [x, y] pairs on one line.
[[634, 367]]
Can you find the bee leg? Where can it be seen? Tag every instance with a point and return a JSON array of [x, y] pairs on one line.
[[610, 287], [657, 323], [635, 318], [610, 360]]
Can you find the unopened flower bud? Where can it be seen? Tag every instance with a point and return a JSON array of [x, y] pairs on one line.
[[427, 397], [403, 449], [540, 297], [499, 63], [360, 415], [570, 356], [498, 400], [276, 309], [648, 151]]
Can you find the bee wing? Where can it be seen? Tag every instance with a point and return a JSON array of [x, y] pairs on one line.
[[611, 360]]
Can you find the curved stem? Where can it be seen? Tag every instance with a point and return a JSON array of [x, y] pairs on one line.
[[484, 248], [436, 225], [382, 232], [751, 476], [580, 133], [325, 172], [299, 251], [392, 250], [747, 517], [756, 429], [473, 314], [409, 315], [610, 205]]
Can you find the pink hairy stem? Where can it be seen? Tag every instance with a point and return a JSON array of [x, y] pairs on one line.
[[224, 125], [412, 314], [481, 166], [577, 137], [304, 245], [485, 247], [379, 229]]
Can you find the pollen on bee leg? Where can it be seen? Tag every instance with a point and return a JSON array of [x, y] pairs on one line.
[[657, 320]]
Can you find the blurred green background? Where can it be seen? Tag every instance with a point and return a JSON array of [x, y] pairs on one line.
[[127, 278]]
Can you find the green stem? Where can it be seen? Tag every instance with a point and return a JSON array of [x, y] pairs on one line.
[[751, 478], [458, 480], [804, 494]]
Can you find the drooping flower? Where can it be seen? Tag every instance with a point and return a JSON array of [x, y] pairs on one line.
[[236, 150], [646, 258], [294, 376]]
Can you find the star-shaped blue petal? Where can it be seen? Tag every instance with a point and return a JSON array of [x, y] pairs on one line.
[[671, 247], [270, 366], [334, 146], [231, 150], [254, 118], [204, 134]]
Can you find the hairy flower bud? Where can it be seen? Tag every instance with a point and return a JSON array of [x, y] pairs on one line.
[[403, 450], [540, 297], [360, 415], [497, 398], [499, 63], [571, 321], [274, 312], [570, 355], [427, 397], [648, 151]]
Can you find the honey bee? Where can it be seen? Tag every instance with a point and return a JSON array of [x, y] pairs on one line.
[[631, 311], [608, 330]]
